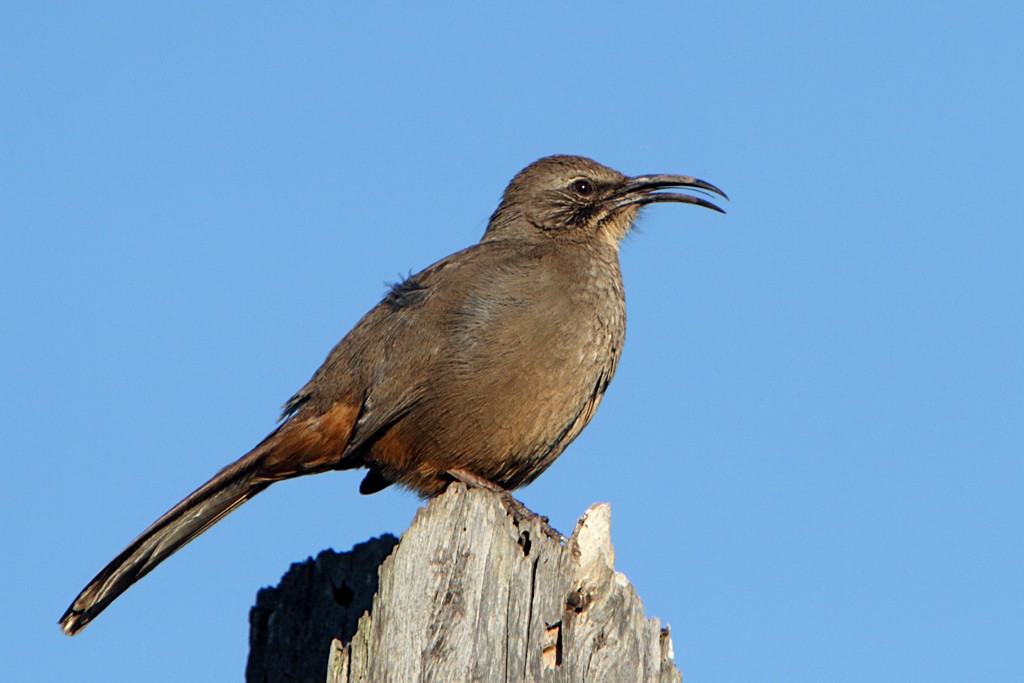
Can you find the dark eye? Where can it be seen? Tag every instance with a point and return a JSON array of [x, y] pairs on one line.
[[582, 187]]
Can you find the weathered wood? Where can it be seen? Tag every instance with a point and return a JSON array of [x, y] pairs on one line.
[[470, 595]]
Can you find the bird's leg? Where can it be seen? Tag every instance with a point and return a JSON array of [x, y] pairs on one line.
[[513, 505]]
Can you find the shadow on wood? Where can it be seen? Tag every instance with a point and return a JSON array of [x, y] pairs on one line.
[[468, 595], [292, 625]]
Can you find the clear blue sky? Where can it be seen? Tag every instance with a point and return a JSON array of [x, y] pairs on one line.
[[813, 446]]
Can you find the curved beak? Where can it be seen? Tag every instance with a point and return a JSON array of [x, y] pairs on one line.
[[644, 190]]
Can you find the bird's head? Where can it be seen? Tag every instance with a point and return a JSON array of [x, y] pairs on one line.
[[577, 199]]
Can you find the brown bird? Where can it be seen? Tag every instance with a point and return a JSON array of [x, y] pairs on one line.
[[481, 368]]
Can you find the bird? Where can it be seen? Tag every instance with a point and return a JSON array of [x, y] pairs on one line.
[[481, 368]]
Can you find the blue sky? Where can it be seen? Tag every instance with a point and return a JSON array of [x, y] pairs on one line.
[[813, 445]]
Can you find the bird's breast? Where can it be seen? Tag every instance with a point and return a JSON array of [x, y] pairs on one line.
[[529, 360]]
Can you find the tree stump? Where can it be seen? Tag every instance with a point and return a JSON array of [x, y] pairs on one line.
[[467, 595]]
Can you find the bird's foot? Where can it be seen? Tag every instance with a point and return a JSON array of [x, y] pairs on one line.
[[513, 506]]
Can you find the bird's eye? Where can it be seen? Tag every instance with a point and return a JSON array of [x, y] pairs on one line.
[[582, 187]]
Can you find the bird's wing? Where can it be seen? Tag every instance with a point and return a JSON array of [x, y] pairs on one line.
[[386, 363]]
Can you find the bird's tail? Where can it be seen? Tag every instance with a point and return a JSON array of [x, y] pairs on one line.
[[315, 443], [229, 488]]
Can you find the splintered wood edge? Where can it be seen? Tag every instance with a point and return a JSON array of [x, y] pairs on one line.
[[588, 571]]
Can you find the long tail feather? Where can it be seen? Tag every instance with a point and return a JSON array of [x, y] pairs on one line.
[[315, 443], [208, 504]]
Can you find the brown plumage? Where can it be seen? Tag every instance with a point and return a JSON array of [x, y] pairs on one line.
[[483, 367]]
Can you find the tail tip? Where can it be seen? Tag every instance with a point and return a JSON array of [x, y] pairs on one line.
[[73, 621]]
